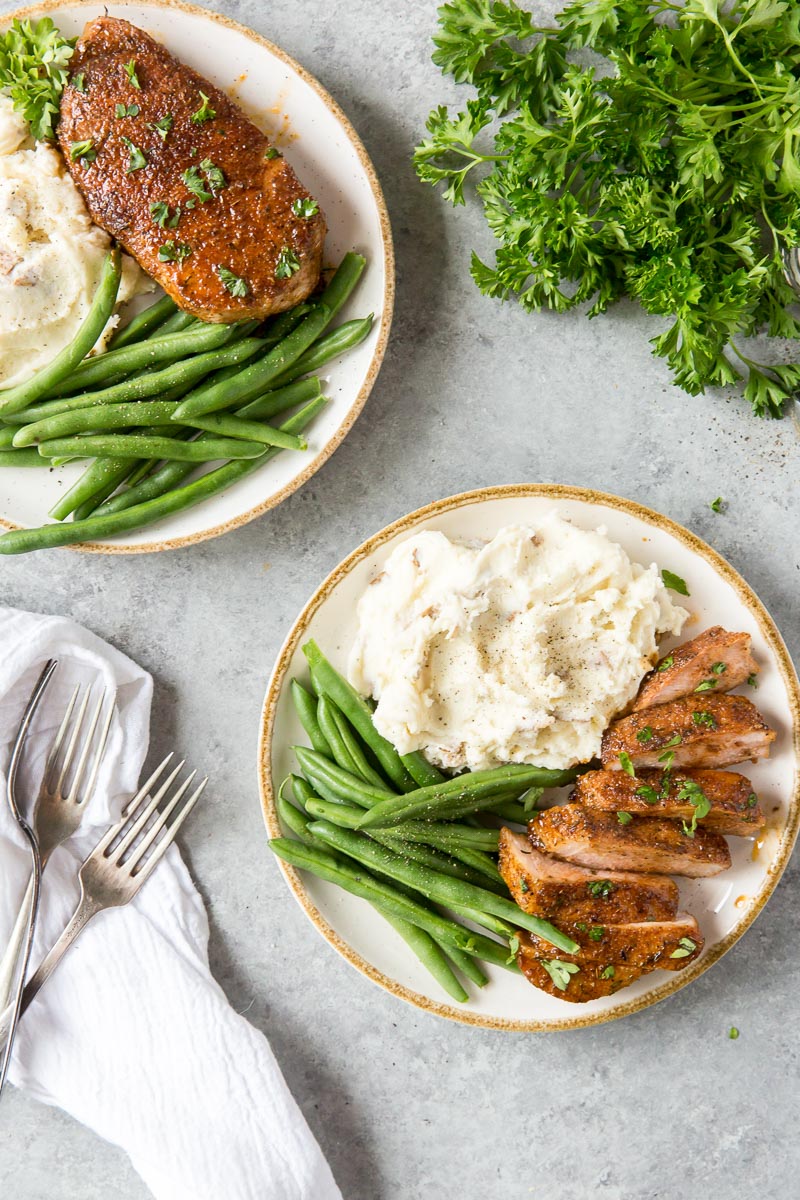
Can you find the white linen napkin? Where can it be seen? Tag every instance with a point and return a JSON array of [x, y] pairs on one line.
[[132, 1035]]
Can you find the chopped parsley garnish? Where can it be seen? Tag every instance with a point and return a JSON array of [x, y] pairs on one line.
[[138, 157], [674, 582], [513, 949], [163, 216], [624, 818], [675, 740], [233, 283], [752, 800], [79, 82], [272, 153], [644, 735], [667, 758], [191, 177], [648, 794], [523, 885], [691, 791], [733, 1033], [600, 887], [173, 251], [666, 663], [287, 264], [162, 126], [560, 972], [607, 973], [717, 505], [214, 175], [205, 112], [126, 110], [130, 71], [752, 681], [84, 151], [582, 926], [596, 933], [705, 719], [685, 947], [305, 207], [707, 685], [718, 668], [626, 764]]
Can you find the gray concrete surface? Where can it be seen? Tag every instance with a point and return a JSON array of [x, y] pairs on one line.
[[407, 1107]]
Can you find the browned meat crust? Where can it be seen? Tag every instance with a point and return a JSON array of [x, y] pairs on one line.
[[698, 731], [735, 810], [598, 840], [716, 656], [591, 982], [250, 222], [565, 893]]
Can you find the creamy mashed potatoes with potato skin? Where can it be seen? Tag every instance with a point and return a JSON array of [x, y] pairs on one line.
[[51, 255], [520, 649]]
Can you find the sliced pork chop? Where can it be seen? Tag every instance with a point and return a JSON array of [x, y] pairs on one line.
[[189, 186], [592, 980], [735, 809], [671, 945], [714, 660], [598, 840], [695, 731], [563, 892]]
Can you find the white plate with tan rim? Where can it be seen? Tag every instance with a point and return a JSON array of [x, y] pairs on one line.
[[322, 146], [724, 906]]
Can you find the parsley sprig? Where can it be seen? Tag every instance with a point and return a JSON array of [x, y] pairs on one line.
[[672, 177], [34, 66]]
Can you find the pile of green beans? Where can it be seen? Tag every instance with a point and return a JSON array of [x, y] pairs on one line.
[[171, 395], [395, 831]]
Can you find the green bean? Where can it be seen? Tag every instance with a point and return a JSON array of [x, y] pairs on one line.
[[361, 883], [291, 818], [353, 759], [467, 793], [513, 811], [355, 708], [272, 403], [250, 431], [138, 516], [442, 889], [447, 837], [302, 791], [480, 862], [155, 351], [486, 920], [24, 394], [431, 955], [104, 474], [339, 751], [178, 322], [284, 323], [432, 860], [345, 815], [84, 420], [331, 345], [306, 708], [423, 773], [467, 965], [139, 446], [342, 784], [144, 323], [254, 379], [344, 279], [7, 436], [22, 458], [149, 383]]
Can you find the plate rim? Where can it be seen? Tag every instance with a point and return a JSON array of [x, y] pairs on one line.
[[48, 7], [555, 492]]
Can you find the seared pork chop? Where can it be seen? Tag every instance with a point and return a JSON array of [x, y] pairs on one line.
[[592, 980], [563, 892], [715, 661], [172, 169], [641, 944], [695, 731], [734, 811], [598, 840]]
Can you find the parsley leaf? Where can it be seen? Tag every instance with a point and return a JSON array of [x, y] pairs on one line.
[[196, 185], [596, 933], [162, 126], [287, 264], [648, 794], [205, 112], [607, 973], [666, 663], [733, 1033], [214, 175], [686, 946], [138, 158], [79, 82], [752, 680], [717, 505], [626, 764], [34, 67], [691, 791], [704, 719], [560, 972], [305, 206], [644, 735], [272, 153], [674, 582], [233, 283], [163, 215], [600, 887], [624, 818], [172, 251], [133, 78], [126, 110], [83, 151]]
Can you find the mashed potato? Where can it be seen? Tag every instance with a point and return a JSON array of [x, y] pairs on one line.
[[520, 649], [51, 256]]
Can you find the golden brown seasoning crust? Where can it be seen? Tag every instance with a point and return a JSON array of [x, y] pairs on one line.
[[682, 671], [670, 945], [592, 981], [565, 893], [598, 840], [246, 226], [735, 809], [731, 731]]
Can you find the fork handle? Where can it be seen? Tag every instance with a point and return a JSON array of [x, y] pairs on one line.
[[87, 908]]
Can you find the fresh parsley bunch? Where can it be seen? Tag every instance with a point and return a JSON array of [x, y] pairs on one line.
[[34, 66], [673, 178]]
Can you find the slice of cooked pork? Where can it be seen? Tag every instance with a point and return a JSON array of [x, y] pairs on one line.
[[734, 810], [599, 840], [591, 981], [715, 657], [695, 731], [671, 945], [564, 893]]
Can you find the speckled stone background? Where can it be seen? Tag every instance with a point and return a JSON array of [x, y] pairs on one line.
[[408, 1107]]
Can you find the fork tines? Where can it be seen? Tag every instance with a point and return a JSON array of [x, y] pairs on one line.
[[71, 732], [139, 840]]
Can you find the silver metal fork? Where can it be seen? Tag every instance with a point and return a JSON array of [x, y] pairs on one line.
[[62, 801], [121, 862]]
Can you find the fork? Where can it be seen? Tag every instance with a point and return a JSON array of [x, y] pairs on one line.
[[58, 811], [121, 862]]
